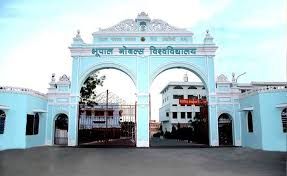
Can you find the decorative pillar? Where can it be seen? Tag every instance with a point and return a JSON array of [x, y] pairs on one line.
[[142, 136], [212, 103], [74, 104]]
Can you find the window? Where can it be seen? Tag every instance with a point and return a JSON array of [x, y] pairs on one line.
[[32, 126], [189, 115], [177, 96], [191, 97], [99, 113], [192, 87], [182, 115], [2, 121], [174, 115], [249, 122], [174, 104], [167, 114], [110, 113], [177, 87], [284, 120], [203, 88]]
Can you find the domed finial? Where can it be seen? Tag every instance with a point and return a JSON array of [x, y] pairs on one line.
[[78, 39], [53, 77], [233, 77], [185, 77], [208, 38]]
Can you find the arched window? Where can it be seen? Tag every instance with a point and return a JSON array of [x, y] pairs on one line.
[[177, 87], [2, 121], [250, 122], [284, 120], [192, 87], [203, 88]]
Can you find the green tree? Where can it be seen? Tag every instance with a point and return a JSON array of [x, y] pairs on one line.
[[88, 90]]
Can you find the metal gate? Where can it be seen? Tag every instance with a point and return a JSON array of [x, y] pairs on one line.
[[107, 125], [61, 130]]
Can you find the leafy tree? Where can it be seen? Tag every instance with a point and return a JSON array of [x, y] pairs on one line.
[[88, 90]]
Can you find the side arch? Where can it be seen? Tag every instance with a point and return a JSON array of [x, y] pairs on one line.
[[61, 128], [225, 129]]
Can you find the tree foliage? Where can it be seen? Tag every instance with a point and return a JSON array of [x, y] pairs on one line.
[[88, 90]]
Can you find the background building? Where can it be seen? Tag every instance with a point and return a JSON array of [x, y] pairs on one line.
[[172, 112]]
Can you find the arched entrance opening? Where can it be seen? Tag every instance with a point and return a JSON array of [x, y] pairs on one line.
[[225, 130], [178, 109], [107, 116], [61, 129]]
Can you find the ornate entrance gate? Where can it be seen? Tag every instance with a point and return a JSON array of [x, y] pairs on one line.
[[107, 124], [142, 48]]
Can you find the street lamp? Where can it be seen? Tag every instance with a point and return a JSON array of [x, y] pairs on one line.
[[239, 76]]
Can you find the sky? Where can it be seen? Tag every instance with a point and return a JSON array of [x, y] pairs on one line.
[[35, 34]]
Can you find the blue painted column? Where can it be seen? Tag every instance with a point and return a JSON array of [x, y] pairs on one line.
[[212, 103], [74, 102], [142, 74]]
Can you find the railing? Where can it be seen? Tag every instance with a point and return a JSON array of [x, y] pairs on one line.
[[22, 91], [264, 90]]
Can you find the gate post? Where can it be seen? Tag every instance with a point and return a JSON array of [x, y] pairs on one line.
[[142, 108], [212, 103], [73, 125], [74, 104]]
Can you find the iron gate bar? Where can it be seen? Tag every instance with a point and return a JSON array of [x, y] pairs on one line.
[[116, 128]]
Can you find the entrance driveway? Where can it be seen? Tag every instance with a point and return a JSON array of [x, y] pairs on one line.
[[62, 161]]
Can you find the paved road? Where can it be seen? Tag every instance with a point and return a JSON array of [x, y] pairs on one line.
[[60, 161], [157, 142]]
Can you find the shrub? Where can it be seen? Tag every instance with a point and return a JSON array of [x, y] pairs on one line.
[[158, 134]]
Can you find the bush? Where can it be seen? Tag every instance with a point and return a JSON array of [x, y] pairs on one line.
[[158, 134], [168, 135]]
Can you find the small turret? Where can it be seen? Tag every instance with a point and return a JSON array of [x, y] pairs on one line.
[[185, 77], [78, 39], [208, 38]]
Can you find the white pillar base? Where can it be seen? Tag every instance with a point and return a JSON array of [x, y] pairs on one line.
[[72, 142], [142, 143]]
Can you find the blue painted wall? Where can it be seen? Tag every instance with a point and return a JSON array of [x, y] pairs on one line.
[[251, 139], [267, 124], [273, 137], [37, 103], [16, 117]]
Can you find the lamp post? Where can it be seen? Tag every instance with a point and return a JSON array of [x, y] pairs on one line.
[[239, 76]]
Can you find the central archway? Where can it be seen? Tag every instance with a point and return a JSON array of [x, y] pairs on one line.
[[108, 117], [179, 124], [183, 65], [106, 65]]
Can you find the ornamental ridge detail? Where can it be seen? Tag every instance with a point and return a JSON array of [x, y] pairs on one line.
[[142, 24], [222, 78]]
